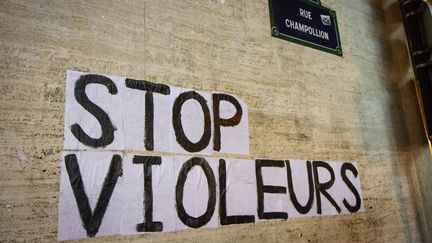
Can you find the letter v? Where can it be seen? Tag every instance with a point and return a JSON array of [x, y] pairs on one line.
[[92, 221]]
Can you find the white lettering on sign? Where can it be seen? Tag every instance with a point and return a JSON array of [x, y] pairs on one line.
[[305, 14], [106, 189], [306, 29]]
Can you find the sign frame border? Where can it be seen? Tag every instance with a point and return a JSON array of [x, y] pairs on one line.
[[275, 32]]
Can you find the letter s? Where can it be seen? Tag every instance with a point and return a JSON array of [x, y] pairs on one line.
[[350, 167], [107, 128]]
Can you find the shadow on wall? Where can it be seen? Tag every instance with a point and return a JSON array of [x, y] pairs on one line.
[[392, 128], [411, 159]]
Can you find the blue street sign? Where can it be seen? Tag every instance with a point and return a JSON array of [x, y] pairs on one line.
[[305, 22]]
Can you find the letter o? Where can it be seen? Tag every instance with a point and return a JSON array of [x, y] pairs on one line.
[[211, 203], [178, 127]]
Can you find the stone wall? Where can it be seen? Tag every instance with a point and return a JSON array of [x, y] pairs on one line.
[[303, 104]]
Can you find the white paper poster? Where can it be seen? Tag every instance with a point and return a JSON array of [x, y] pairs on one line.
[[115, 113], [109, 185]]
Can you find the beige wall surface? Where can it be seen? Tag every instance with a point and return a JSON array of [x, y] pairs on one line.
[[303, 104]]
